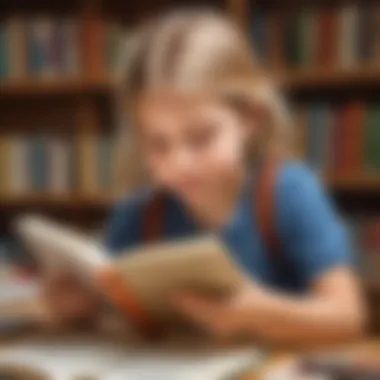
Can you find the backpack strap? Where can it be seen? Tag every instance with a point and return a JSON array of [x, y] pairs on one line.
[[265, 203], [153, 219], [123, 295]]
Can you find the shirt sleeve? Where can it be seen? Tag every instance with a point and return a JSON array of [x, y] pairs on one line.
[[312, 235], [123, 229]]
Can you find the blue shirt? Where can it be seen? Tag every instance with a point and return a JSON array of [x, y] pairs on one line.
[[313, 239]]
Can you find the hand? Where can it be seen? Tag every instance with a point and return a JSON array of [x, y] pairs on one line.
[[223, 318], [69, 301]]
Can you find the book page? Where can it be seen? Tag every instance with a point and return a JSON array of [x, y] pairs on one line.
[[57, 247], [157, 272], [66, 359]]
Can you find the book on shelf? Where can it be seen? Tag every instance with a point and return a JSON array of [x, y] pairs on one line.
[[340, 140], [55, 164], [332, 36], [49, 47], [372, 155]]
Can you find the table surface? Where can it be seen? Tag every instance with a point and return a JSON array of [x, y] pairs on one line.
[[283, 357], [278, 360]]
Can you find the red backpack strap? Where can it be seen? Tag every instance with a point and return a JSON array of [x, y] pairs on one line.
[[265, 204], [152, 231], [153, 219]]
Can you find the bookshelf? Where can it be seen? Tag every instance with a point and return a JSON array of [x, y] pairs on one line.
[[79, 101], [291, 80], [33, 87]]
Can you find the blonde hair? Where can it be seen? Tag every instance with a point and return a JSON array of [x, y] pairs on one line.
[[196, 51]]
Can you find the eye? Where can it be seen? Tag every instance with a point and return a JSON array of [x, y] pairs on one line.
[[157, 145], [203, 135]]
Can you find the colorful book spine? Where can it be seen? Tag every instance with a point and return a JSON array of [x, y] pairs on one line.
[[365, 34], [18, 52], [327, 47], [104, 163], [319, 124], [375, 36], [39, 163], [308, 37], [372, 141], [59, 159], [87, 163], [19, 161], [4, 50], [94, 44], [5, 169], [301, 133], [259, 33], [72, 52], [276, 49]]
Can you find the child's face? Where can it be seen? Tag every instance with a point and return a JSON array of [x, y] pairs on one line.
[[191, 145]]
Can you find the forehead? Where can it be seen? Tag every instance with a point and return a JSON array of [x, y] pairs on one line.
[[174, 104]]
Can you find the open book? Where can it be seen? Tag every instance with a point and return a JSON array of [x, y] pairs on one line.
[[140, 283], [73, 358]]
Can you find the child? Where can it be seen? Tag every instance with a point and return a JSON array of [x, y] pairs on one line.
[[206, 123]]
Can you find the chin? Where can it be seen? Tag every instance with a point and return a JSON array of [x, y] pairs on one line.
[[190, 192]]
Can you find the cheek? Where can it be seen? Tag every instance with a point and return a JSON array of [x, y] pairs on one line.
[[228, 149]]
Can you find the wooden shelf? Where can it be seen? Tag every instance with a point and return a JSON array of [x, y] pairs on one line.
[[302, 79], [68, 86], [58, 201], [72, 201], [321, 78], [362, 183]]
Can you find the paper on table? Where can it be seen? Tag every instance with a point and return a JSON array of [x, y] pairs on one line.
[[65, 360]]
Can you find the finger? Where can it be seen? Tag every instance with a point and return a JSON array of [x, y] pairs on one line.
[[198, 308]]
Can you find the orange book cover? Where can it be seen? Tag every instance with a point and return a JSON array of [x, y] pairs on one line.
[[346, 142], [337, 141], [94, 47], [354, 145], [327, 41], [276, 40]]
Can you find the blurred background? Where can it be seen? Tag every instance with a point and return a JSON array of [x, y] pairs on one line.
[[57, 113]]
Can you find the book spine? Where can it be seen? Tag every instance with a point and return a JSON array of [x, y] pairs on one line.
[[58, 154], [87, 152], [56, 49], [291, 39], [259, 32], [4, 50], [276, 53], [328, 38], [94, 47], [301, 138], [19, 165], [39, 164], [71, 47], [365, 34], [348, 55], [5, 159], [103, 163], [307, 38], [17, 38], [375, 36], [372, 141], [337, 133], [355, 143], [318, 113], [37, 47], [326, 143]]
